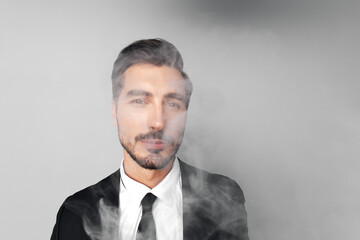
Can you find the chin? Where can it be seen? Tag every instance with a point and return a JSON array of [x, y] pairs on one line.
[[153, 160]]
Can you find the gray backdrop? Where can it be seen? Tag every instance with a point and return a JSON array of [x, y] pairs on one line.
[[275, 105]]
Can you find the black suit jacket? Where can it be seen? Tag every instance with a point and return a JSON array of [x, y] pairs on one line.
[[213, 208]]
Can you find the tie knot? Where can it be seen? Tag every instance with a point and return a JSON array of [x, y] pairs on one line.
[[147, 202]]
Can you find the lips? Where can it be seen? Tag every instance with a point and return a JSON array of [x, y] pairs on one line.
[[154, 144]]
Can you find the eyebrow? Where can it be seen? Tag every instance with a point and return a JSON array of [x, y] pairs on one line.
[[175, 96], [142, 93], [133, 93]]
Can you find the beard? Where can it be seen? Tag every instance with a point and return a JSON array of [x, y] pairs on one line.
[[154, 159]]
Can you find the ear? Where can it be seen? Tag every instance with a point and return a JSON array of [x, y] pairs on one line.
[[113, 108]]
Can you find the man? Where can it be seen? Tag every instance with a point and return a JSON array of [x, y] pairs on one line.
[[154, 195]]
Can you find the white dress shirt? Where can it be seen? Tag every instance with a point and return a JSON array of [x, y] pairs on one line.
[[167, 208]]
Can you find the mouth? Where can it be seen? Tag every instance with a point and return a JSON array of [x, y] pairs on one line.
[[154, 144]]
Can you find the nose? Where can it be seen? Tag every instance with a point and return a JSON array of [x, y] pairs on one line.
[[156, 118]]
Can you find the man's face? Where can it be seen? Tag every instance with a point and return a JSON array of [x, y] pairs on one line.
[[151, 114]]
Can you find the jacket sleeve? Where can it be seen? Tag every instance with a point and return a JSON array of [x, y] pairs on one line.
[[69, 225], [235, 225], [55, 233]]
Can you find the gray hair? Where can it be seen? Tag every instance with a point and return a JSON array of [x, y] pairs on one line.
[[158, 52]]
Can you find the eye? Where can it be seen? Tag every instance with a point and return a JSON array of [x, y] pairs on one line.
[[138, 101], [174, 105]]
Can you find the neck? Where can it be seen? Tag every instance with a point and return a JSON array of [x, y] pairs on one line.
[[148, 177]]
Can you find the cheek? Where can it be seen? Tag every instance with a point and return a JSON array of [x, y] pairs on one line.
[[130, 122], [176, 124]]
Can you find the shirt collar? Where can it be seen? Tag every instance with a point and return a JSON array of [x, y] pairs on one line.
[[164, 191]]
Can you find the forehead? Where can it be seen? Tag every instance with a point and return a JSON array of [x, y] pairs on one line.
[[155, 79]]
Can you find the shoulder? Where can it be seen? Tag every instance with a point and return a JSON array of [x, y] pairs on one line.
[[204, 182], [83, 207], [106, 188], [215, 202]]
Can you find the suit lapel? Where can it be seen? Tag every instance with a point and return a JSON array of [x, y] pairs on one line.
[[108, 189], [107, 192], [196, 221]]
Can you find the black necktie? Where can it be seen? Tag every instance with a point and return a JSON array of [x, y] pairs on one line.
[[146, 229]]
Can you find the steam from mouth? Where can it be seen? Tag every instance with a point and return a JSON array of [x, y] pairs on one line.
[[109, 223]]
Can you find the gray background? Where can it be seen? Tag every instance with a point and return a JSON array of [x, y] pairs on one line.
[[275, 105]]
